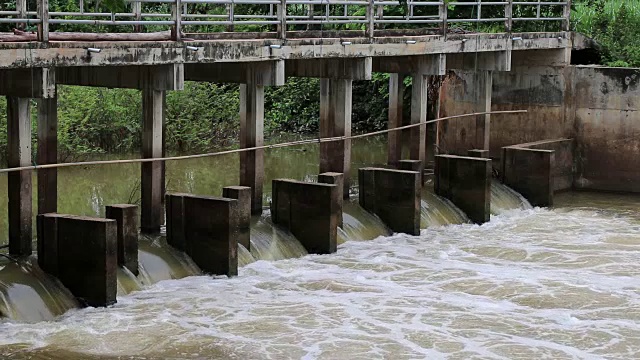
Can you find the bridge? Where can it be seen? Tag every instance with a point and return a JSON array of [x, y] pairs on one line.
[[337, 41]]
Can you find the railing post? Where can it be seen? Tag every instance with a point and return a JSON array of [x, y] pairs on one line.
[[21, 8], [443, 18], [231, 17], [508, 14], [566, 24], [310, 15], [136, 8], [176, 13], [43, 15], [282, 19], [370, 19]]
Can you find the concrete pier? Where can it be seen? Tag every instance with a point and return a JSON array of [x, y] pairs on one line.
[[310, 211], [19, 182], [126, 217], [466, 181], [413, 165], [394, 138], [47, 154], [82, 253], [336, 179], [393, 195], [152, 179], [530, 172], [252, 135], [206, 228], [335, 121], [483, 84], [243, 195], [419, 114]]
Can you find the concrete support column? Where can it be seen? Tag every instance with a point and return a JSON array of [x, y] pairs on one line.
[[394, 138], [19, 182], [153, 107], [126, 217], [335, 121], [252, 135], [484, 84], [433, 112], [47, 154], [418, 115]]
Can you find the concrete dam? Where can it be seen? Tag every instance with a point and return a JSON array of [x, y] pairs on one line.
[[495, 217]]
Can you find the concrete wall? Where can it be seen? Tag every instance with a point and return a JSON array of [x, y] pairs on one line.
[[596, 106], [607, 126]]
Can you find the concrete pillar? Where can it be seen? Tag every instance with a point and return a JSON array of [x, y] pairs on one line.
[[126, 217], [483, 83], [19, 182], [335, 121], [243, 195], [310, 211], [413, 165], [394, 138], [252, 135], [433, 112], [392, 195], [153, 108], [47, 154], [530, 172], [418, 115], [466, 181], [478, 153], [336, 179], [82, 252], [207, 227]]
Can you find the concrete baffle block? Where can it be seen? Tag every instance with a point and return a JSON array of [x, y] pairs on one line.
[[126, 216], [529, 172], [82, 252], [393, 195], [412, 165], [311, 211], [478, 153], [206, 228], [337, 179], [466, 181], [243, 195]]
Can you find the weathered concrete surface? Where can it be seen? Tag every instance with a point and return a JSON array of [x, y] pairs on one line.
[[537, 83], [82, 253], [26, 55], [607, 101], [393, 195], [243, 195], [413, 165], [206, 228], [252, 135], [126, 217], [563, 166], [337, 179], [530, 172], [310, 211], [47, 154], [466, 181]]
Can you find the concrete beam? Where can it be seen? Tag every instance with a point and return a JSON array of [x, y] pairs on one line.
[[489, 60], [337, 68], [37, 83], [265, 73], [435, 64], [158, 77], [335, 121], [19, 182], [252, 135]]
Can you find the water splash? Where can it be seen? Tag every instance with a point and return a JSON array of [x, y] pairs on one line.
[[28, 294], [127, 282], [359, 224], [437, 211], [244, 256], [504, 198], [158, 261], [270, 242]]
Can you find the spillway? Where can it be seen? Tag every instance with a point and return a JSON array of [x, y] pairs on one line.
[[504, 198]]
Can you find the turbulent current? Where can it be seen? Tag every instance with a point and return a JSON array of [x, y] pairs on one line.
[[532, 283]]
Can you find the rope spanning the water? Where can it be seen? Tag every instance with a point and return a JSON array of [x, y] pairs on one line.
[[273, 146]]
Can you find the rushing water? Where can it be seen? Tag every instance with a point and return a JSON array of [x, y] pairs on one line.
[[532, 283]]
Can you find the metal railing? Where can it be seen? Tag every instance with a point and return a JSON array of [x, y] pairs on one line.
[[284, 15]]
